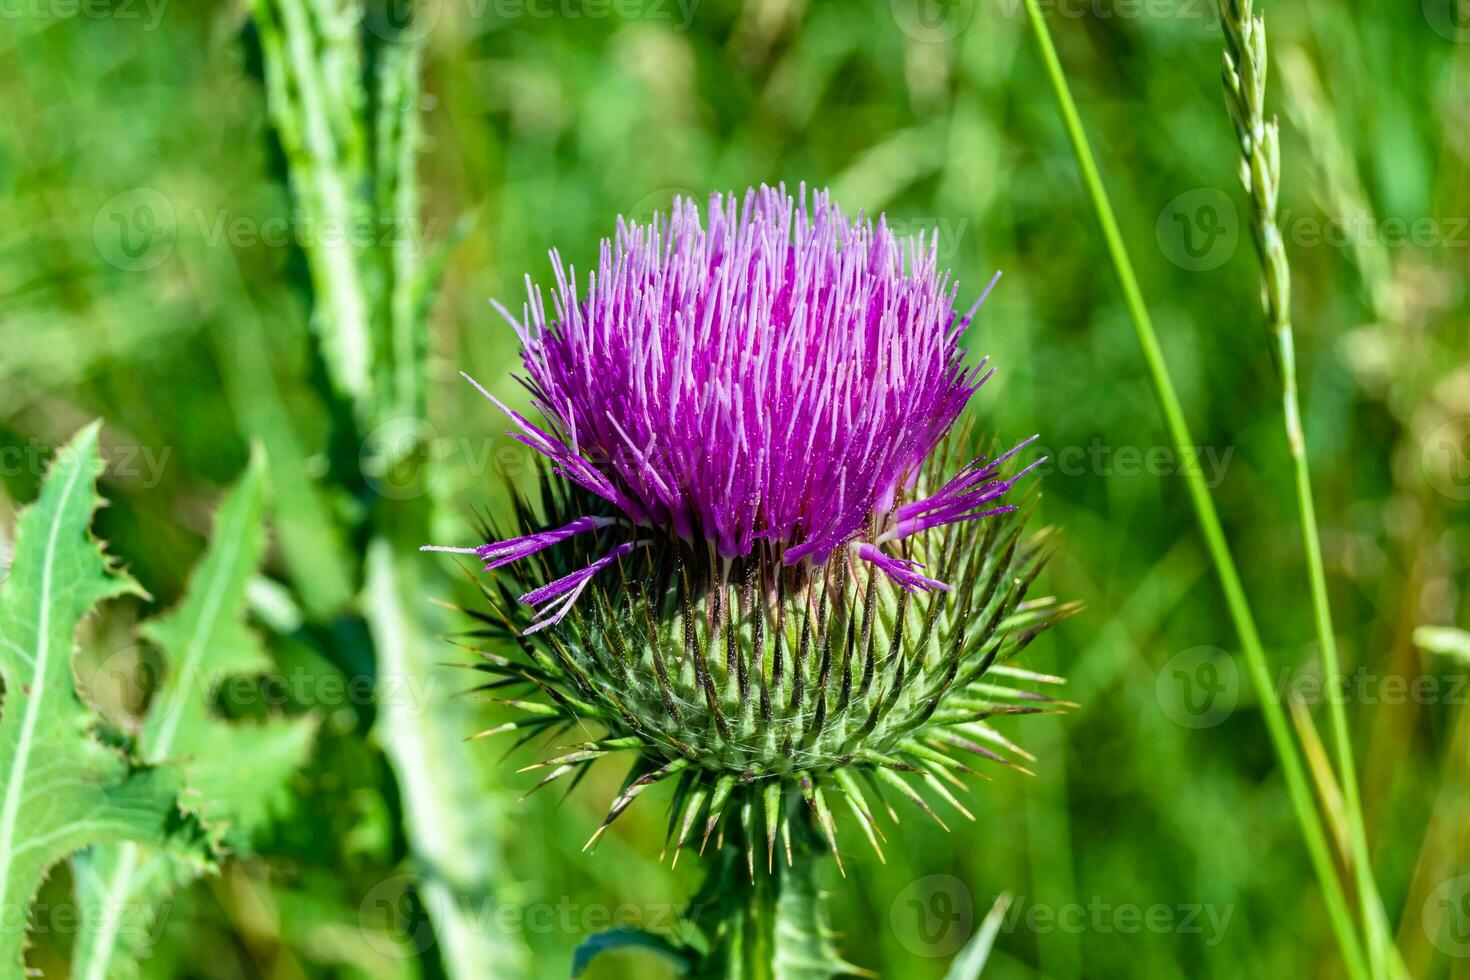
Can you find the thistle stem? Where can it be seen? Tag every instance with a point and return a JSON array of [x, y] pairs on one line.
[[1208, 519], [765, 925]]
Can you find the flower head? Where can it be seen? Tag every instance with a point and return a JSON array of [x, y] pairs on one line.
[[772, 381], [743, 412]]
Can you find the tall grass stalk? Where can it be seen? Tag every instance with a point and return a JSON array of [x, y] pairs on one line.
[[1277, 725], [1244, 71]]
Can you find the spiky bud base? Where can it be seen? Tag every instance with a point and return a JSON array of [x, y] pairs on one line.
[[769, 925], [747, 681]]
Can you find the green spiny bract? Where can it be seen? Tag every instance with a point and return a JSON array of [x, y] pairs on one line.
[[746, 681]]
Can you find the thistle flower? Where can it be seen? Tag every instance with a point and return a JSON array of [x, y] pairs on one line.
[[749, 565]]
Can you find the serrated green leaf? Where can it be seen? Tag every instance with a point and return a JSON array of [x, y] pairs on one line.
[[802, 947], [124, 888], [626, 938], [232, 771], [63, 790]]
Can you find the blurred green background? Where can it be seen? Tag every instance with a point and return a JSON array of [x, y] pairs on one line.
[[155, 275]]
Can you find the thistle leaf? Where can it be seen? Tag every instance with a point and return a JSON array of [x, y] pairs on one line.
[[801, 941], [626, 938], [768, 925], [126, 885], [232, 772], [63, 790]]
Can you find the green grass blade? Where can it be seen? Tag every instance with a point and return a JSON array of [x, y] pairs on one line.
[[970, 963], [1245, 86], [1204, 510]]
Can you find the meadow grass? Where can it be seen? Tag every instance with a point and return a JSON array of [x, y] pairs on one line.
[[544, 128]]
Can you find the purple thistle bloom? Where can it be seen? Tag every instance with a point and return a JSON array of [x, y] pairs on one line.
[[773, 377]]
